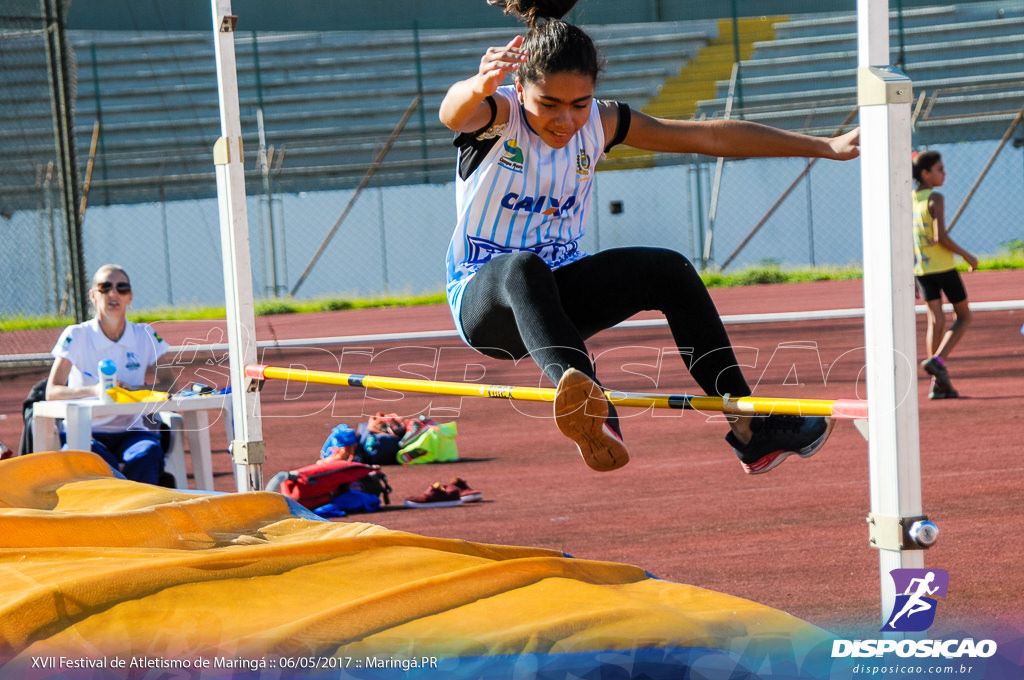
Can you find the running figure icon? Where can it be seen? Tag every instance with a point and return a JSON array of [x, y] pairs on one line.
[[917, 601]]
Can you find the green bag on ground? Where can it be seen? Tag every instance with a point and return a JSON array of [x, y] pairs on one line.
[[435, 444]]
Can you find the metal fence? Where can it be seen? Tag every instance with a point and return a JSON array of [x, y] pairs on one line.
[[392, 242], [38, 76]]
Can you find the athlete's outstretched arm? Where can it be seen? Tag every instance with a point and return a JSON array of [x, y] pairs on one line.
[[735, 138]]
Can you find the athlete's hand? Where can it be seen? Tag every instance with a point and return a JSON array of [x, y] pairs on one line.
[[846, 146], [497, 62]]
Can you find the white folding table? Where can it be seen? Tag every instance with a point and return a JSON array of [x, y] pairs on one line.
[[77, 415]]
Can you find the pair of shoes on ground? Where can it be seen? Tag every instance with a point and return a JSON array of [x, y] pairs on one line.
[[582, 413], [437, 496], [942, 387]]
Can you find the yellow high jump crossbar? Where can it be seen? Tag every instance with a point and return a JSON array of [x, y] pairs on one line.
[[847, 409]]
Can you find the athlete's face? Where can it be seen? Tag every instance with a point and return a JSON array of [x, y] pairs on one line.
[[934, 176], [557, 105]]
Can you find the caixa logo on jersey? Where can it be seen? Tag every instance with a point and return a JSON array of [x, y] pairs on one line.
[[553, 206], [913, 612]]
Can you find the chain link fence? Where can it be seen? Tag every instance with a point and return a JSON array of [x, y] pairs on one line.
[[39, 184], [393, 240], [318, 107]]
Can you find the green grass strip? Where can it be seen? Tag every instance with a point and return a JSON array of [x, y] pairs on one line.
[[765, 273]]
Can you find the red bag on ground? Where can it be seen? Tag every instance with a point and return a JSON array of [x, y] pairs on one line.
[[315, 485]]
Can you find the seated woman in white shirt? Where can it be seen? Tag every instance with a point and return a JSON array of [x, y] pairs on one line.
[[129, 444]]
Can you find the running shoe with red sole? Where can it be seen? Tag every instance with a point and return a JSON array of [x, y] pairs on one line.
[[581, 414], [776, 437]]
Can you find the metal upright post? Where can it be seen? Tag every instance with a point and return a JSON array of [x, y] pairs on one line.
[[62, 105], [884, 97], [247, 448], [737, 59]]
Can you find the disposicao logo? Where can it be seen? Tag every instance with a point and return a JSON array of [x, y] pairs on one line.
[[915, 606], [914, 611]]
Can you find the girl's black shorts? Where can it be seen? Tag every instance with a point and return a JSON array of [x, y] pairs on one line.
[[932, 286]]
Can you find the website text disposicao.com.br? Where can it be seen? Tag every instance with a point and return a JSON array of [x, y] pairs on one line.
[[907, 658], [868, 670]]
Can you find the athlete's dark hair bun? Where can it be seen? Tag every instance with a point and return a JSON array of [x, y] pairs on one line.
[[531, 11]]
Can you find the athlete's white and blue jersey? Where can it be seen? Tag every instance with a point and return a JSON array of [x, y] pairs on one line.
[[516, 193]]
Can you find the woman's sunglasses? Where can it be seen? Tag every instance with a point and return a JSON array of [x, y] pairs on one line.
[[122, 287]]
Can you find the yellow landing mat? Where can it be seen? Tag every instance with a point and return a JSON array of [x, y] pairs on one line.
[[98, 572]]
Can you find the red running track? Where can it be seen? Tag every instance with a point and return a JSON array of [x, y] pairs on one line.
[[794, 539]]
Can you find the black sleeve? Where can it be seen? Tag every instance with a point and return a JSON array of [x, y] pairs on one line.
[[471, 148], [463, 138], [621, 128]]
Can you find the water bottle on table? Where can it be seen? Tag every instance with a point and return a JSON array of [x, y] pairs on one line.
[[108, 379]]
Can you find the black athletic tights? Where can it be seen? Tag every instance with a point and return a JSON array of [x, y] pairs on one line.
[[515, 306]]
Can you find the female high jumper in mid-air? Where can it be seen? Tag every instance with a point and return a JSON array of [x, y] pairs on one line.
[[518, 283]]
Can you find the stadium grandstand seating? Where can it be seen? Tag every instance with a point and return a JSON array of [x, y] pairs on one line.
[[966, 63], [328, 101]]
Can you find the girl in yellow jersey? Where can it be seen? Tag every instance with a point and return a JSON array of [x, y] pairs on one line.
[[936, 272]]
